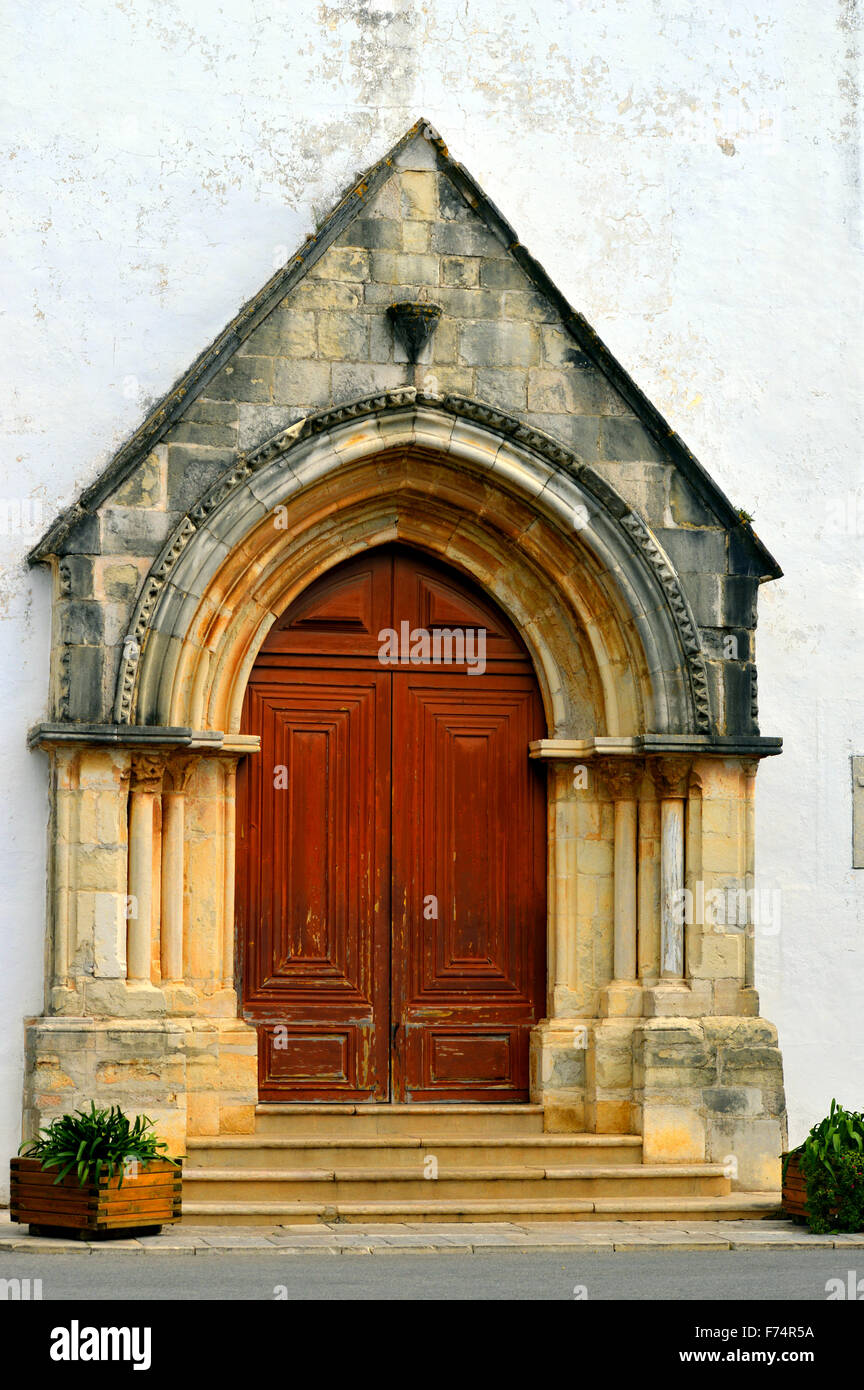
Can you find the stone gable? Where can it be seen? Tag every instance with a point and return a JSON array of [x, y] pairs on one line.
[[327, 341]]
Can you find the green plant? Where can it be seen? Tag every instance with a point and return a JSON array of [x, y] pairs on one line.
[[743, 515], [832, 1164], [836, 1202], [90, 1141]]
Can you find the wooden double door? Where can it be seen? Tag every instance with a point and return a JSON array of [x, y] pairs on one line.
[[391, 887]]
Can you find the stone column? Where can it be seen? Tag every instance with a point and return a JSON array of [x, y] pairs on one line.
[[178, 773], [622, 777], [229, 773], [670, 776], [146, 783]]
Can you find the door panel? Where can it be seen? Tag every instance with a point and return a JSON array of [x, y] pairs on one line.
[[315, 845], [391, 888], [468, 910]]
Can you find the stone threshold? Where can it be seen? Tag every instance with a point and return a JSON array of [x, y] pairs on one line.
[[332, 1238]]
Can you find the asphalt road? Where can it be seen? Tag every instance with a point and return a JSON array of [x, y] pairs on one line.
[[793, 1275]]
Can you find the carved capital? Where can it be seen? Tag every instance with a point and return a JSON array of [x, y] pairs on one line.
[[622, 776], [179, 772], [147, 771], [749, 766], [670, 776]]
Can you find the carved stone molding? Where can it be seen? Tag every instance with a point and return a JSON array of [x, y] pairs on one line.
[[638, 531], [409, 398]]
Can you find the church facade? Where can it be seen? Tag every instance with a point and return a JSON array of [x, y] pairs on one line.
[[288, 868]]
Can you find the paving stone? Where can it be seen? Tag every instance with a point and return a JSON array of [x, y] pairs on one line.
[[308, 1250]]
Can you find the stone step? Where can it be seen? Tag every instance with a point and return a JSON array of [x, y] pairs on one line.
[[737, 1206], [556, 1181], [398, 1151], [353, 1120]]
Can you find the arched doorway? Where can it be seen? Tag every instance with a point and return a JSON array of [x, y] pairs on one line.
[[391, 887]]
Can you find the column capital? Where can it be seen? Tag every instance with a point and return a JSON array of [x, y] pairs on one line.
[[147, 770], [670, 775], [622, 776], [178, 771]]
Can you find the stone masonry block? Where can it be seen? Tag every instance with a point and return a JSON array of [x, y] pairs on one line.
[[323, 294], [672, 1134], [342, 263], [244, 379], [502, 388], [503, 275], [344, 337], [83, 539], [192, 470], [452, 207], [466, 239], [143, 487], [216, 412], [120, 581], [200, 432], [419, 195], [415, 236], [284, 334], [695, 551], [81, 683], [459, 303], [625, 437], [529, 304], [581, 433], [403, 268], [380, 234], [80, 622], [302, 383], [462, 271], [499, 345], [135, 530], [353, 380], [76, 574]]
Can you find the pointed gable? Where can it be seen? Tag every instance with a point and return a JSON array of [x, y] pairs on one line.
[[318, 336], [415, 225]]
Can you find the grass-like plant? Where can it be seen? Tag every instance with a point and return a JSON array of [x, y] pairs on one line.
[[832, 1165], [88, 1142]]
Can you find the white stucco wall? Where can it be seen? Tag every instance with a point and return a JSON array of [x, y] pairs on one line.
[[690, 179]]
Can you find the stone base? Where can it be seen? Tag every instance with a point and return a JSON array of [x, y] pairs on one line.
[[189, 1075], [705, 1089], [559, 1047], [621, 999], [712, 1089]]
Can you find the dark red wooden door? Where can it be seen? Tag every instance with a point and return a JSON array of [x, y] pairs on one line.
[[391, 843]]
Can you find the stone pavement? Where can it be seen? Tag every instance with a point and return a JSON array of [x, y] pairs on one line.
[[341, 1238]]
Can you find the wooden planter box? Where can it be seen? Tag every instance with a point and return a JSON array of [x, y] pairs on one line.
[[95, 1211], [794, 1190]]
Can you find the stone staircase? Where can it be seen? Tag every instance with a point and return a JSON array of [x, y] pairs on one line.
[[442, 1163]]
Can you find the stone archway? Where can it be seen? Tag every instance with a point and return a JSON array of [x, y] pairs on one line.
[[571, 564], [644, 798]]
